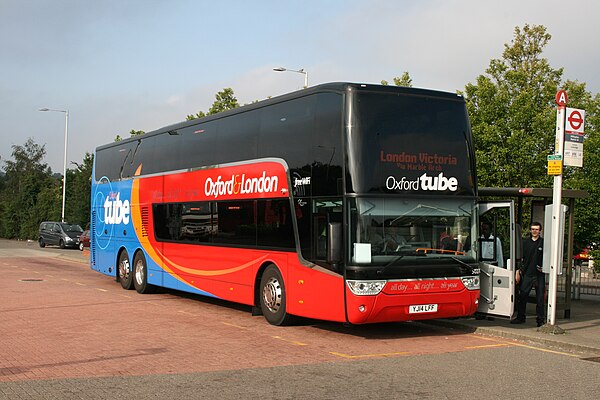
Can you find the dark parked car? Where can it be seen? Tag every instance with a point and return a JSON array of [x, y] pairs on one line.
[[84, 240], [59, 234]]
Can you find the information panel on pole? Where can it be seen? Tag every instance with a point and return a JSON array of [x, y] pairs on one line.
[[574, 125], [555, 164]]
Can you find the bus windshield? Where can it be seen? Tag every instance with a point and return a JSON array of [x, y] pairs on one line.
[[410, 231]]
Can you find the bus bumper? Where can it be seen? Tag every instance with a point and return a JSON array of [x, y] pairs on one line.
[[410, 307]]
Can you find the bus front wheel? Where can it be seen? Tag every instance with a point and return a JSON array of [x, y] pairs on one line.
[[272, 297], [124, 271], [140, 273]]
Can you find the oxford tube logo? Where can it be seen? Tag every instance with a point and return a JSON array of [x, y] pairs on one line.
[[424, 182], [116, 211]]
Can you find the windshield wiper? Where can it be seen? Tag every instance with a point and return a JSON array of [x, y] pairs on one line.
[[401, 256], [462, 263]]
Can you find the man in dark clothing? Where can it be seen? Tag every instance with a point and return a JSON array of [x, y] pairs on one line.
[[532, 276]]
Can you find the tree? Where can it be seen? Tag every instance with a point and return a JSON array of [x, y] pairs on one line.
[[199, 114], [30, 193], [224, 100], [512, 112], [513, 118], [587, 220], [404, 80], [132, 133], [79, 184]]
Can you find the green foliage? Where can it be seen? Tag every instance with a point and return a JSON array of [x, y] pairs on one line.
[[199, 114], [132, 133], [513, 114], [513, 118], [224, 100], [79, 185], [28, 191], [404, 80], [587, 220]]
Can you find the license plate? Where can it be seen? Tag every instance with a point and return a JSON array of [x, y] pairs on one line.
[[422, 308]]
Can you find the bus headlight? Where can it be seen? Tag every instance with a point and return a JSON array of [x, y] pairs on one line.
[[471, 282], [366, 288]]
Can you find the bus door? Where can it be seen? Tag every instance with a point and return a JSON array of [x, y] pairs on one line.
[[496, 249], [324, 213]]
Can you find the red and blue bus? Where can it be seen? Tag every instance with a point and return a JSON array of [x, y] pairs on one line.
[[344, 202]]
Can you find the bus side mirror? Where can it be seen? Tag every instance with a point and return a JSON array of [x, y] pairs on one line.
[[334, 243]]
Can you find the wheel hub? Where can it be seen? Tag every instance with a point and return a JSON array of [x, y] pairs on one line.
[[124, 270], [139, 272], [272, 294]]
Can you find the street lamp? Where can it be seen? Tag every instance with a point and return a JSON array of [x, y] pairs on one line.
[[300, 71], [62, 216]]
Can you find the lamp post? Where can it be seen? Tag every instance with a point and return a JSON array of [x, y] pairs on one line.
[[64, 189], [300, 71]]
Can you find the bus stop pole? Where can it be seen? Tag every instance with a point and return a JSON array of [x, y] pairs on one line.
[[556, 251]]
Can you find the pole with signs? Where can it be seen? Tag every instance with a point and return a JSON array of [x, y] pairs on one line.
[[568, 148], [575, 121], [555, 261]]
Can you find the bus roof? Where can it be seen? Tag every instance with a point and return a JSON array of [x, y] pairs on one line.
[[340, 87]]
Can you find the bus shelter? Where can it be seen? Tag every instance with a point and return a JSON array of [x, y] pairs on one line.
[[540, 197]]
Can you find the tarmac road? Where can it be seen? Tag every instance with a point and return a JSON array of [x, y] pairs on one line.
[[69, 332]]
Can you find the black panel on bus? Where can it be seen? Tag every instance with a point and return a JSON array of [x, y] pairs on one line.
[[410, 143], [305, 131]]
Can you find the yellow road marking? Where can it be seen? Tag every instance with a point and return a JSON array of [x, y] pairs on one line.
[[234, 325], [402, 353], [184, 312], [488, 346], [526, 346], [80, 284], [102, 290], [545, 350], [290, 341]]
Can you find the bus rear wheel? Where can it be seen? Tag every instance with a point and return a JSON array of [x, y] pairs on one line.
[[124, 271], [272, 297], [140, 274]]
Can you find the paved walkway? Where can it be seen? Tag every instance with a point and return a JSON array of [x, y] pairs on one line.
[[582, 330]]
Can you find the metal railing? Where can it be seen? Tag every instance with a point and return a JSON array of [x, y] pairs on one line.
[[585, 280]]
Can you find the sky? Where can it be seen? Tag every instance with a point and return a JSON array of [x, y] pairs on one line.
[[118, 65]]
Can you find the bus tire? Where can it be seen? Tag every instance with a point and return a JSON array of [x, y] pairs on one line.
[[140, 274], [272, 297], [124, 273]]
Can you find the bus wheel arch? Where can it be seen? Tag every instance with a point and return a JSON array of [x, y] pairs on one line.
[[272, 297], [124, 271]]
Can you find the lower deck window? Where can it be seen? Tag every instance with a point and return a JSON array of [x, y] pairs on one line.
[[251, 223]]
